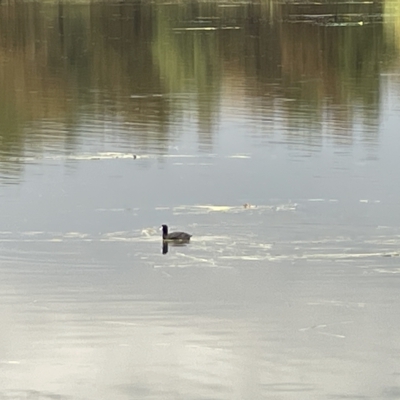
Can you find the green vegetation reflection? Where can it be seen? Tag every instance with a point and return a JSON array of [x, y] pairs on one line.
[[145, 66]]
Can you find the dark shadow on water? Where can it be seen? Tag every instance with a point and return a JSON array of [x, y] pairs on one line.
[[165, 245]]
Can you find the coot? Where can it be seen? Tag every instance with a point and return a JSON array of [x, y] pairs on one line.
[[174, 236]]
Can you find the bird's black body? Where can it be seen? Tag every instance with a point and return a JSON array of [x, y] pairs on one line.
[[174, 236]]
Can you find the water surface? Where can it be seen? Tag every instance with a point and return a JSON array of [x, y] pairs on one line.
[[268, 131]]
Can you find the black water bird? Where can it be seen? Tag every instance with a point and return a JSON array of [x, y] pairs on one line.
[[177, 237]]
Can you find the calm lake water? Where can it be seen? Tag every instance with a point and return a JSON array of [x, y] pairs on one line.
[[269, 131]]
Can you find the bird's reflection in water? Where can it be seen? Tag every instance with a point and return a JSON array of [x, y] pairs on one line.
[[165, 247], [166, 244]]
